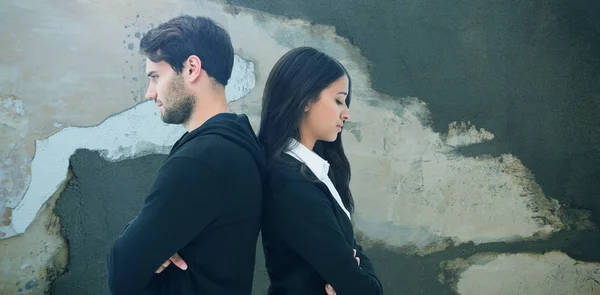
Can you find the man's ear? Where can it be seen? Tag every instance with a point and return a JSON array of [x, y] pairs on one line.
[[192, 68]]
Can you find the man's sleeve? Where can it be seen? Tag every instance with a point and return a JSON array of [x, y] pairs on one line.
[[183, 200], [304, 218]]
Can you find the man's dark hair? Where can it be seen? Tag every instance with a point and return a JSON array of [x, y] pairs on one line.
[[179, 38]]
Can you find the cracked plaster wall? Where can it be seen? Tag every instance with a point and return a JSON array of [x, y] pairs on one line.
[[415, 192]]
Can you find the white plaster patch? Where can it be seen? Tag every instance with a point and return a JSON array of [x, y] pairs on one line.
[[412, 190], [242, 81], [464, 134], [133, 133], [532, 274]]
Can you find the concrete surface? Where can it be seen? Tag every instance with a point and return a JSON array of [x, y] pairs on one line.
[[113, 192], [548, 273], [484, 143]]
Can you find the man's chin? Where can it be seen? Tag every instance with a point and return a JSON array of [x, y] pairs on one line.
[[171, 121], [166, 120]]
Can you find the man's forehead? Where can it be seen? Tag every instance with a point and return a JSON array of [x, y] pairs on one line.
[[155, 67], [151, 66]]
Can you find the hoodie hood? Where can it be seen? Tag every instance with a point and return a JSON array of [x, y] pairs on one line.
[[234, 127]]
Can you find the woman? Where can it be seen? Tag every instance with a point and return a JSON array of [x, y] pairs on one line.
[[307, 233]]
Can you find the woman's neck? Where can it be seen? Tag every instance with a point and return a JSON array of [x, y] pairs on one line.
[[307, 141]]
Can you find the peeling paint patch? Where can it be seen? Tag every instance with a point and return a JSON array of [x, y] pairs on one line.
[[7, 216], [132, 133], [549, 273], [463, 134], [14, 161]]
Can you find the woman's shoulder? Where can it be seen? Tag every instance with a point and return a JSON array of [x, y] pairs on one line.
[[289, 172], [285, 170], [285, 166]]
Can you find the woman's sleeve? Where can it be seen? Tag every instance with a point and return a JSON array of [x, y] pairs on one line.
[[365, 263], [305, 219]]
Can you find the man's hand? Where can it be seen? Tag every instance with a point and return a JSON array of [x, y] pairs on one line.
[[176, 260], [329, 289]]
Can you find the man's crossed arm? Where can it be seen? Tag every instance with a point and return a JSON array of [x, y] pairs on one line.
[[175, 259], [182, 203]]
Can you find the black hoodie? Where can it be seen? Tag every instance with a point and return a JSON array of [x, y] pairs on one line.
[[205, 205]]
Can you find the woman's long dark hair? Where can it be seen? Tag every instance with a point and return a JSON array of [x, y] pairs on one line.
[[297, 79]]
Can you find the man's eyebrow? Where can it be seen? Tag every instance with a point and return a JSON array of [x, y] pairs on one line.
[[151, 73], [344, 93]]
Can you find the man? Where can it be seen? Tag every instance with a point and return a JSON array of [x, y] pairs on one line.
[[205, 204]]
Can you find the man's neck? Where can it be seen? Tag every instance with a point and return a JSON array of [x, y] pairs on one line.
[[206, 109]]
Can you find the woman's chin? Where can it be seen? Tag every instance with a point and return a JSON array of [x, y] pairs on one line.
[[332, 138]]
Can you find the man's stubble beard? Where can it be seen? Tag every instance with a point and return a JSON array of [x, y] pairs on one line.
[[181, 103]]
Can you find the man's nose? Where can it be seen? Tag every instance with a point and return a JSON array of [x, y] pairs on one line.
[[151, 93]]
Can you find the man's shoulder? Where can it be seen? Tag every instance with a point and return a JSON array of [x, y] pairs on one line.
[[192, 152], [201, 145], [215, 150]]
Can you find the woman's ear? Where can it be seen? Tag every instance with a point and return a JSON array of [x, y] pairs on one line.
[[308, 106]]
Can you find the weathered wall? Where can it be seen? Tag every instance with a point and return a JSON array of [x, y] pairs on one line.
[[474, 135]]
